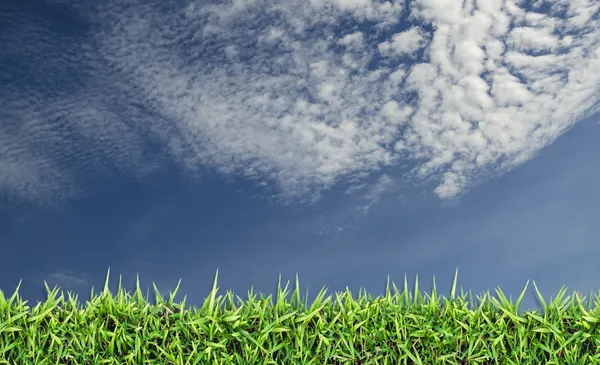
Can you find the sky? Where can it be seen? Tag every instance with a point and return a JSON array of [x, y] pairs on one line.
[[345, 141]]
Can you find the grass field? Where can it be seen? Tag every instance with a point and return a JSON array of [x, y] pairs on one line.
[[399, 328]]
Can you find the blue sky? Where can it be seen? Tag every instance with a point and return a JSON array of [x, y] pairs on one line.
[[340, 140]]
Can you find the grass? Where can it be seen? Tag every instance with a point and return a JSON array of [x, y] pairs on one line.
[[394, 329]]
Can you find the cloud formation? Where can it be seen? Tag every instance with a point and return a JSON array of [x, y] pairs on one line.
[[304, 93]]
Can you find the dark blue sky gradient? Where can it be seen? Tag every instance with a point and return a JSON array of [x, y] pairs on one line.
[[538, 221]]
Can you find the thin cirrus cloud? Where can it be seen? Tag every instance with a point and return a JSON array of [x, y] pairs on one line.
[[301, 93]]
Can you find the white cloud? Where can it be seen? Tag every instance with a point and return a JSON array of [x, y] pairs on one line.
[[526, 39], [354, 41], [403, 43], [383, 185], [279, 90]]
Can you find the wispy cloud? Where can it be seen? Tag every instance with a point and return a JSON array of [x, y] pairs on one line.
[[299, 93], [376, 191], [65, 281]]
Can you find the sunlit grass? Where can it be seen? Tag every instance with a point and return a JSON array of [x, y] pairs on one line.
[[393, 329]]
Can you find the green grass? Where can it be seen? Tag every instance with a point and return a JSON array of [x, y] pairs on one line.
[[394, 329]]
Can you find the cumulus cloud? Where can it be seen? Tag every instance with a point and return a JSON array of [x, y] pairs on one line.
[[403, 43], [305, 93]]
